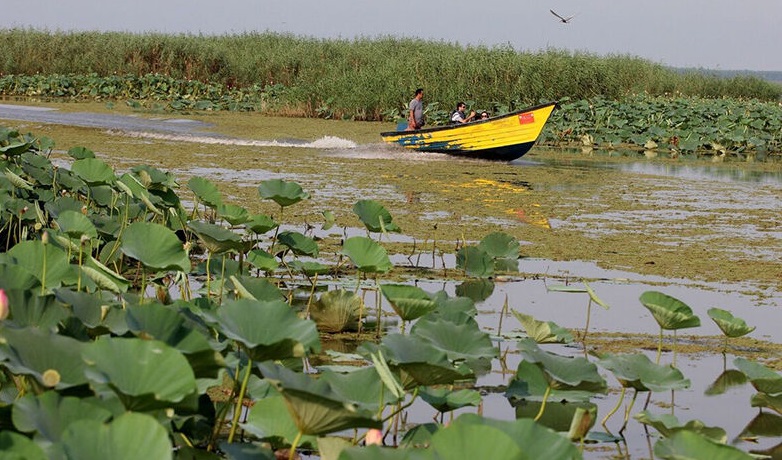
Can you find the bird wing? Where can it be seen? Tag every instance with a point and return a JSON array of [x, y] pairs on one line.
[[555, 14]]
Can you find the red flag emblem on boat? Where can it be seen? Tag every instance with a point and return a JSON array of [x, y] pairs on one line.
[[526, 118]]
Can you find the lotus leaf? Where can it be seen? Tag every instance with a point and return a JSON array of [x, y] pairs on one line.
[[153, 178], [76, 224], [35, 352], [764, 424], [31, 255], [16, 446], [143, 374], [446, 400], [128, 437], [460, 342], [729, 324], [669, 312], [233, 214], [773, 402], [328, 220], [216, 239], [267, 330], [298, 243], [531, 383], [361, 386], [475, 262], [238, 451], [563, 372], [270, 420], [374, 216], [104, 277], [467, 437], [476, 289], [453, 305], [500, 245], [560, 416], [409, 302], [256, 288], [262, 260], [158, 322], [728, 379], [385, 453], [259, 223], [30, 309], [93, 171], [543, 331], [637, 371], [337, 310], [205, 191], [16, 277], [367, 255], [315, 407], [668, 425], [79, 153], [16, 148], [763, 378], [49, 414], [155, 246], [688, 444], [281, 192], [309, 267]]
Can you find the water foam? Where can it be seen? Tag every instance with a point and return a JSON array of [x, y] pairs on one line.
[[326, 142]]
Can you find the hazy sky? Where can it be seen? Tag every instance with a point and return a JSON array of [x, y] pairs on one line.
[[717, 34]]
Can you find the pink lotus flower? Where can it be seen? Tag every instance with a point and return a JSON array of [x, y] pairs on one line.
[[374, 436], [4, 310]]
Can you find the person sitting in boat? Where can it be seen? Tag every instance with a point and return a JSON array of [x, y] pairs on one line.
[[457, 116], [484, 115]]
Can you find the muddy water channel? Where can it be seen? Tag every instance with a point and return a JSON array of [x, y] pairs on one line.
[[709, 234]]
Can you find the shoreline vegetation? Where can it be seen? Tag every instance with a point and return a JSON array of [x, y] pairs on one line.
[[616, 101]]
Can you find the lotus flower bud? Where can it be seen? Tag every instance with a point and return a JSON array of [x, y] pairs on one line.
[[45, 238], [4, 309], [374, 436]]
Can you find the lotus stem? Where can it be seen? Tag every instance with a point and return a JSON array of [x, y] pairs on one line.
[[503, 312], [659, 347], [296, 440], [312, 294], [239, 400], [586, 327], [208, 275], [222, 281], [543, 405], [44, 241], [378, 329], [616, 407], [674, 348], [630, 408]]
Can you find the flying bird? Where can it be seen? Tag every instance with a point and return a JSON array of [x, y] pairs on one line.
[[561, 19]]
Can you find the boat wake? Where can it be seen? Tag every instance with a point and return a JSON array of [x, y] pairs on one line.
[[325, 143]]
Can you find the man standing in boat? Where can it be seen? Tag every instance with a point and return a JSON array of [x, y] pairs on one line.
[[458, 116], [415, 118]]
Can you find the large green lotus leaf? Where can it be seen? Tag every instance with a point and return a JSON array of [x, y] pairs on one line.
[[460, 304], [270, 420], [473, 436], [16, 148], [447, 400], [14, 446], [79, 153], [267, 330], [729, 324], [154, 178], [309, 268], [728, 379], [67, 180], [531, 383], [155, 246], [374, 216], [417, 361], [669, 312], [128, 437], [315, 407], [216, 238], [282, 192], [76, 224], [639, 372], [559, 417], [298, 243], [475, 262], [233, 214], [104, 277], [690, 445], [565, 372], [46, 261], [144, 374], [262, 260], [500, 245], [478, 289], [259, 223], [361, 386], [236, 451], [161, 323], [93, 171], [543, 331], [763, 378], [17, 277], [205, 191], [568, 288], [764, 424], [27, 308], [250, 287], [53, 360], [337, 310], [49, 413], [593, 296], [90, 309], [460, 342], [773, 402], [367, 255], [668, 425], [409, 302], [374, 452]]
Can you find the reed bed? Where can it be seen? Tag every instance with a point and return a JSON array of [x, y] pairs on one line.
[[363, 78]]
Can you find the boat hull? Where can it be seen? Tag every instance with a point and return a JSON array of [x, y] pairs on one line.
[[503, 138]]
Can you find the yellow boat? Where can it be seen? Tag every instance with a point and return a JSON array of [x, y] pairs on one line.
[[502, 138]]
